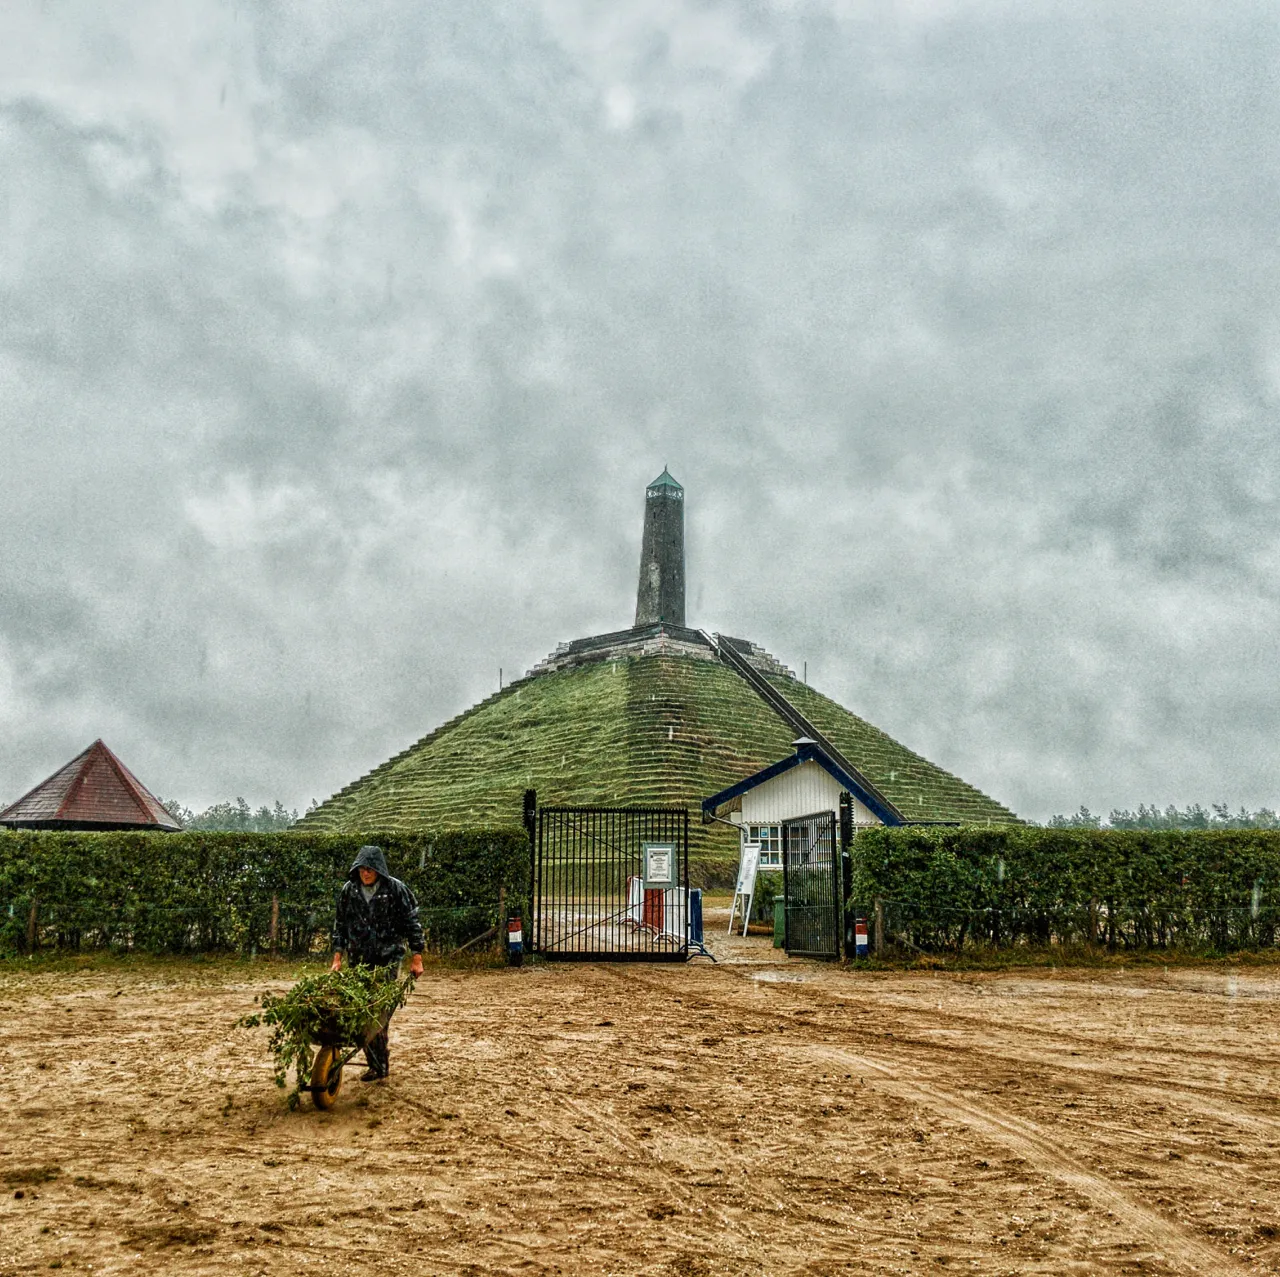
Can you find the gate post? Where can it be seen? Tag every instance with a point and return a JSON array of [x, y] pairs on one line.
[[530, 827], [846, 873]]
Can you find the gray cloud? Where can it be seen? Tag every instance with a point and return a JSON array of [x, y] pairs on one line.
[[337, 345]]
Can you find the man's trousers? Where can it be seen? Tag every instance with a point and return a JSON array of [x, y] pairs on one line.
[[377, 1051]]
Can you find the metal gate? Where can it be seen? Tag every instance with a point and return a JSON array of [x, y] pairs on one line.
[[611, 883], [814, 918]]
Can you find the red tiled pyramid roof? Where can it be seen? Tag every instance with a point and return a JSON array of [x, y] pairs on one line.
[[95, 789]]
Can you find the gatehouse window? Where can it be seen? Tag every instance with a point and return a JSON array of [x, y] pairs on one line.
[[798, 849], [770, 839]]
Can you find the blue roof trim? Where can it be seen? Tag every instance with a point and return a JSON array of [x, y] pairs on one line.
[[728, 795], [807, 753]]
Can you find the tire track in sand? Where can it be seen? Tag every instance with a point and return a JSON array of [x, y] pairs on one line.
[[999, 1043], [1169, 1238], [620, 1137]]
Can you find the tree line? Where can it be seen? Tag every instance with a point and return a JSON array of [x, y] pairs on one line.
[[1195, 816], [235, 816], [238, 817]]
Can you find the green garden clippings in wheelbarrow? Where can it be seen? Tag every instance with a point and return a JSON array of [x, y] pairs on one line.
[[335, 1015]]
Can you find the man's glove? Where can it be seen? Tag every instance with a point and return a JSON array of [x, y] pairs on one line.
[[415, 965]]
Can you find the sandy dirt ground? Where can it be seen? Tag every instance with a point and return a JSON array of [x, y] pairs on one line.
[[758, 1116]]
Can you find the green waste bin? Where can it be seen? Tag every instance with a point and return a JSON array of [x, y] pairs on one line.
[[779, 921]]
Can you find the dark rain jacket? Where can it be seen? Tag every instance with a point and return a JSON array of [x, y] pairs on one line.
[[374, 932]]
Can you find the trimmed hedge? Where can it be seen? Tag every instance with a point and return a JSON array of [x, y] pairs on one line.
[[944, 887], [214, 892]]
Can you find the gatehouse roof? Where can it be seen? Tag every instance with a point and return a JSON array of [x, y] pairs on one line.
[[807, 751]]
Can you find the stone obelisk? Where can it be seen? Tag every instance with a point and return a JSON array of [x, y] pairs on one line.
[[660, 598]]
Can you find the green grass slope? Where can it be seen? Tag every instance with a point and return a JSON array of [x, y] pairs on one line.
[[918, 788], [660, 730], [647, 730]]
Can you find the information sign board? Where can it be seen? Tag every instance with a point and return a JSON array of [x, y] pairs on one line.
[[659, 865]]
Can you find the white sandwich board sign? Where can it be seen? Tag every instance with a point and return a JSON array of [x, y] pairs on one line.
[[745, 890]]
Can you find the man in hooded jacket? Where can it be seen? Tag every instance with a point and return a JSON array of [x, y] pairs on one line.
[[377, 917]]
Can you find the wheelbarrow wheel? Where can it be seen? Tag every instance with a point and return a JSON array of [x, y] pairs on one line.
[[326, 1077]]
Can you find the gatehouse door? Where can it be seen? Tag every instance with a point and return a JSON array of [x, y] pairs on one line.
[[814, 918], [611, 884]]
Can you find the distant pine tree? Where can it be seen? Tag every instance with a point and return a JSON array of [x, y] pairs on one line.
[[1083, 819]]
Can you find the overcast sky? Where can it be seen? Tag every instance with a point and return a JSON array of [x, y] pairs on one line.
[[338, 342]]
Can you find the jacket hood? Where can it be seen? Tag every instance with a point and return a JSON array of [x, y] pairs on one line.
[[369, 857]]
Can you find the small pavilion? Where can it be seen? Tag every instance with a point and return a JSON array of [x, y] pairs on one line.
[[94, 791]]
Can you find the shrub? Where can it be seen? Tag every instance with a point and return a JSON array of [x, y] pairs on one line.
[[208, 891], [942, 887]]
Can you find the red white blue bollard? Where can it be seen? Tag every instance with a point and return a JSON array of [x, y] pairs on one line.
[[860, 946], [515, 942]]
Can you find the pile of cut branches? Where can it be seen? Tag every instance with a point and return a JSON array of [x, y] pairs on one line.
[[339, 1007]]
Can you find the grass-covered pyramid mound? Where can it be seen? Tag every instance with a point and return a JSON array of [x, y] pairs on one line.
[[644, 719], [654, 715]]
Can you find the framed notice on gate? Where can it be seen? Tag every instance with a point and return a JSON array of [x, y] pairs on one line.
[[659, 865]]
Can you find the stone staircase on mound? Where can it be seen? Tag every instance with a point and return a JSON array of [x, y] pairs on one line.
[[734, 654], [918, 787]]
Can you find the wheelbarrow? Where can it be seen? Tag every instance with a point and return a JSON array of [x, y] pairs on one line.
[[333, 1054]]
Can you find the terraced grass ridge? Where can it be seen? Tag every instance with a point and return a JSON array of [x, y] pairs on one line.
[[648, 729]]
